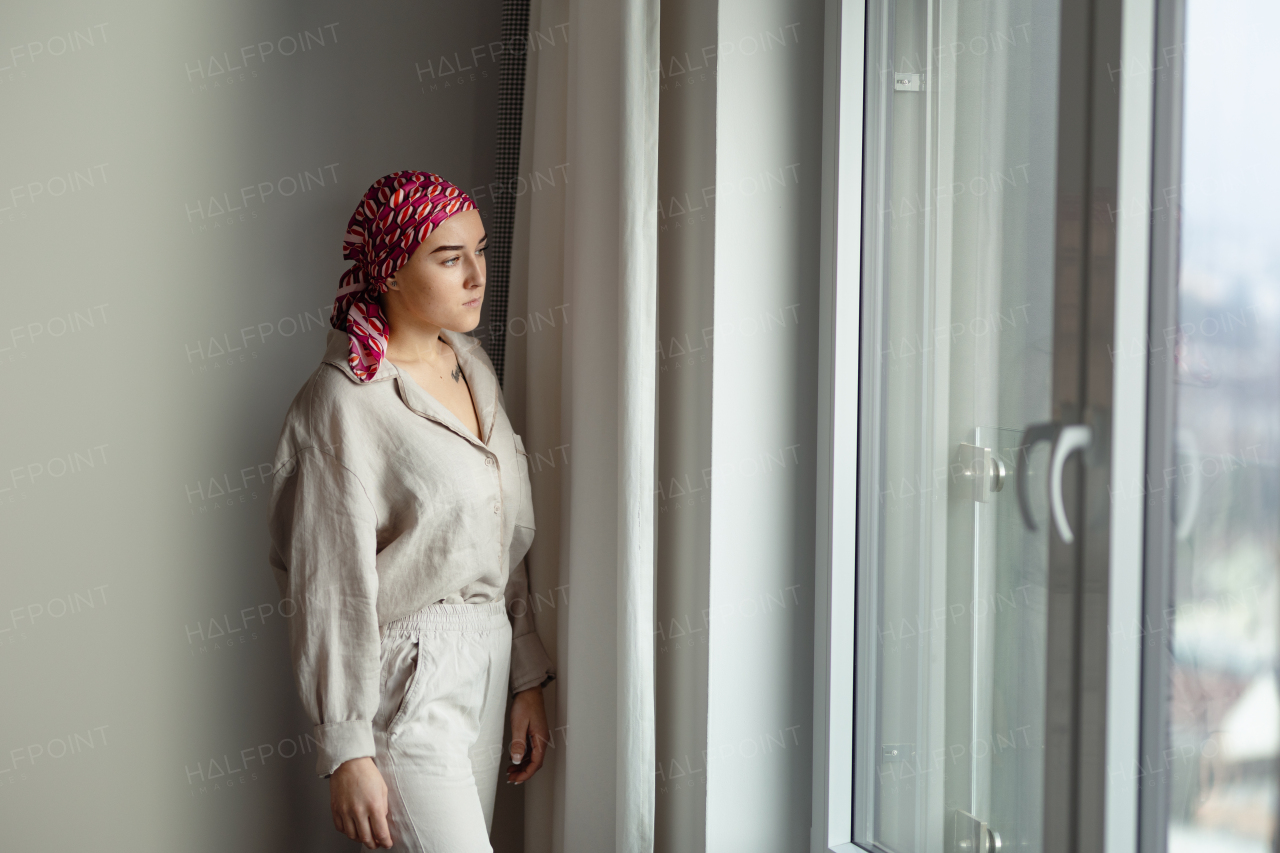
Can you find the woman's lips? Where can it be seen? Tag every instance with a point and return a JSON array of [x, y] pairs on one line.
[[473, 303]]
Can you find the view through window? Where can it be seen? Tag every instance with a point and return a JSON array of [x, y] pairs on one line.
[[1225, 713]]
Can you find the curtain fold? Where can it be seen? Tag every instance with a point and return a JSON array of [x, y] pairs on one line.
[[637, 402], [586, 247]]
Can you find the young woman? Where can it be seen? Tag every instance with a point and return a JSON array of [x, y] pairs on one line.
[[400, 517]]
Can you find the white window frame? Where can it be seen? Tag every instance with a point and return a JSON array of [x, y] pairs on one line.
[[837, 506], [1129, 422]]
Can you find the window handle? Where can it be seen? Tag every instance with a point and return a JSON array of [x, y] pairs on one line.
[[1065, 440], [1072, 438], [1033, 435]]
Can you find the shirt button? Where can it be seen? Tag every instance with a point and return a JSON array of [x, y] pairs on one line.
[[488, 460], [497, 507]]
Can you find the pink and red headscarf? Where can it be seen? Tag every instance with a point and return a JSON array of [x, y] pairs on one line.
[[391, 221]]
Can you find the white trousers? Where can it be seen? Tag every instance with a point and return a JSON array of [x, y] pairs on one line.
[[438, 731]]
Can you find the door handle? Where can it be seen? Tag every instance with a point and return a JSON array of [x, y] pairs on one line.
[[1034, 434], [1066, 440], [1072, 438]]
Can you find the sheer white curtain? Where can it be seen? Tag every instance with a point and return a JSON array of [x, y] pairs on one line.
[[581, 377]]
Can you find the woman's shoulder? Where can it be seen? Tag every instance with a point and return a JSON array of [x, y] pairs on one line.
[[330, 403]]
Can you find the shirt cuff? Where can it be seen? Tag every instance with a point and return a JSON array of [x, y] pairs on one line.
[[343, 741], [530, 665]]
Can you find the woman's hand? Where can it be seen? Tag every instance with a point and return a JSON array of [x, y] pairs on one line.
[[529, 735], [358, 797]]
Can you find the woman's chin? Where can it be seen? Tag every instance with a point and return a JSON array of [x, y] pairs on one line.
[[465, 321]]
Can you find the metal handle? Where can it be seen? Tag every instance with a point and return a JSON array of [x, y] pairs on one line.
[[998, 475], [1066, 440], [1033, 435], [1072, 438], [983, 469]]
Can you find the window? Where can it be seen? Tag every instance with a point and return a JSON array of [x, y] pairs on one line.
[[964, 629]]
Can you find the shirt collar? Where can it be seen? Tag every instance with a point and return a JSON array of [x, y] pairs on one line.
[[475, 367], [337, 349], [480, 377]]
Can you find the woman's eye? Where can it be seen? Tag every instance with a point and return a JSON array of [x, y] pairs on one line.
[[480, 251], [450, 262]]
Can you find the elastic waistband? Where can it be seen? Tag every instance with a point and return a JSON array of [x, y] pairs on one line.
[[451, 617]]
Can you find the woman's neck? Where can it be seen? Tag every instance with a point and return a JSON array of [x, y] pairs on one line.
[[411, 341]]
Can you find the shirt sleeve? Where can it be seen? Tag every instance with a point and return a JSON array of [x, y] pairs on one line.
[[324, 546], [530, 664]]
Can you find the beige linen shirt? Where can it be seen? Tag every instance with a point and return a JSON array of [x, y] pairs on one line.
[[382, 503]]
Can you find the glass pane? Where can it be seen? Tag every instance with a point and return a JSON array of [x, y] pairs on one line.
[[1225, 713], [958, 329]]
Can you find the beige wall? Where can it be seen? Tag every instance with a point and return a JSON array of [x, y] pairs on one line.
[[764, 424], [175, 179], [738, 285]]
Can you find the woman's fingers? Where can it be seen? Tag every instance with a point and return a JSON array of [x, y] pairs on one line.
[[528, 724], [363, 831], [539, 750], [516, 770], [537, 755], [519, 733], [358, 794], [381, 830], [514, 767], [369, 828]]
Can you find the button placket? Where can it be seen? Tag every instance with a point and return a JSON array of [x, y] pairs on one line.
[[497, 507], [489, 461]]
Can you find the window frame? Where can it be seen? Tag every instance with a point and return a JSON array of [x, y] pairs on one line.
[[1161, 452], [839, 344]]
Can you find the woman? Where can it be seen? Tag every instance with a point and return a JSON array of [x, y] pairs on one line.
[[400, 516]]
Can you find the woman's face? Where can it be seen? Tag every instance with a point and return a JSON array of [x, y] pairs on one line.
[[442, 283]]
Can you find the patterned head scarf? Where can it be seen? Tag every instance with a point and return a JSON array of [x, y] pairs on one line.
[[391, 221]]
